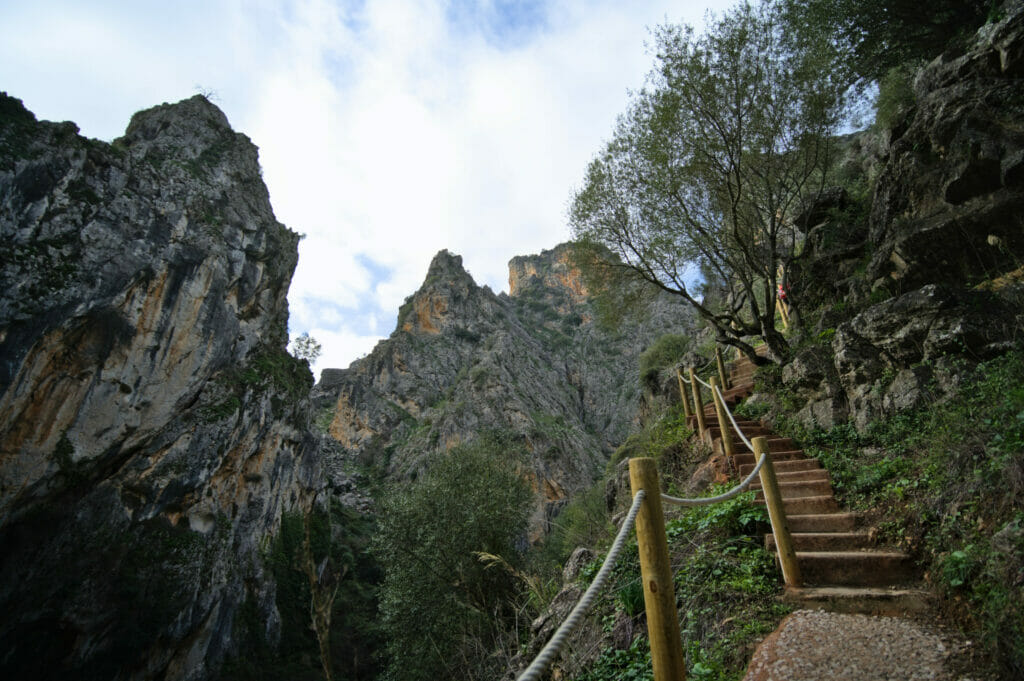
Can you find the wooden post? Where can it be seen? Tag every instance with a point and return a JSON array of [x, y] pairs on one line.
[[698, 405], [721, 368], [656, 573], [784, 309], [683, 396], [773, 499], [723, 420]]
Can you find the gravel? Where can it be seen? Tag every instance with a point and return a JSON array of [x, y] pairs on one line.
[[813, 645]]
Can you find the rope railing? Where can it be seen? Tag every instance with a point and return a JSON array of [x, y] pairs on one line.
[[725, 496], [735, 425], [554, 646], [702, 368], [666, 654]]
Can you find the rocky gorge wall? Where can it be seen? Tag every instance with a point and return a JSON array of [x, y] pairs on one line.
[[152, 426], [930, 275], [534, 367]]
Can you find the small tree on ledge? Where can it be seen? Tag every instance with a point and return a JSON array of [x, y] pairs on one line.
[[306, 347]]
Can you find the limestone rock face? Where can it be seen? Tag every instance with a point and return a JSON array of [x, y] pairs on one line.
[[151, 423], [932, 279], [949, 201], [534, 366]]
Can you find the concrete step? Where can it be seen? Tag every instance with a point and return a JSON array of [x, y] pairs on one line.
[[855, 568], [777, 450], [809, 505], [782, 465], [825, 541], [889, 602], [798, 489], [823, 522]]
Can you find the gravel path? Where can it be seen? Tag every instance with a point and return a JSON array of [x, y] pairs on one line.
[[813, 645]]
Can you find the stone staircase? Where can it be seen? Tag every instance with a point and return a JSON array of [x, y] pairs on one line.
[[842, 567]]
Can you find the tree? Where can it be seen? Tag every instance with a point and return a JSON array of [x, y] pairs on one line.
[[707, 168], [306, 347], [871, 37], [443, 607]]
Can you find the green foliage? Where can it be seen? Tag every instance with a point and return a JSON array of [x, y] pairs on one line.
[[949, 481], [306, 347], [895, 94], [275, 367], [670, 433], [443, 607], [726, 584], [631, 664], [583, 522], [341, 537], [664, 353], [223, 409], [869, 37], [323, 419], [17, 128], [732, 136]]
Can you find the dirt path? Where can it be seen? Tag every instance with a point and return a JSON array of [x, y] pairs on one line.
[[814, 645]]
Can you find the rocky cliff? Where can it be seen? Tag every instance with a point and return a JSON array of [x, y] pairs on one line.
[[533, 367], [152, 426], [925, 273]]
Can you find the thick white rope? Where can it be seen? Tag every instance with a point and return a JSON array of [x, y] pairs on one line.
[[733, 420], [676, 501], [701, 381], [554, 646]]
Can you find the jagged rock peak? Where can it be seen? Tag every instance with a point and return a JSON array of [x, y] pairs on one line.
[[447, 293], [447, 267], [178, 126], [554, 269]]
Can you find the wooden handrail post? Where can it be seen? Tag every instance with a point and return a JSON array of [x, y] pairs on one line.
[[683, 396], [723, 420], [773, 499], [698, 405], [784, 310], [721, 368], [656, 573]]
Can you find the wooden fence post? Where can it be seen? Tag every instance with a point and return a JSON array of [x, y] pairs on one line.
[[773, 499], [784, 310], [723, 421], [698, 405], [683, 396], [721, 368], [656, 573]]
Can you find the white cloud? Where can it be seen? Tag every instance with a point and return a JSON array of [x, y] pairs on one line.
[[341, 347], [386, 130]]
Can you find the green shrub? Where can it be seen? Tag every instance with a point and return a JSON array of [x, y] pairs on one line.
[[895, 94], [443, 607], [632, 664], [665, 352]]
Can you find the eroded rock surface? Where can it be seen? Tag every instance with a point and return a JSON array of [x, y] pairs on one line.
[[152, 428], [534, 366]]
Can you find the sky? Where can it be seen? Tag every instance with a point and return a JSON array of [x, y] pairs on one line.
[[388, 129]]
